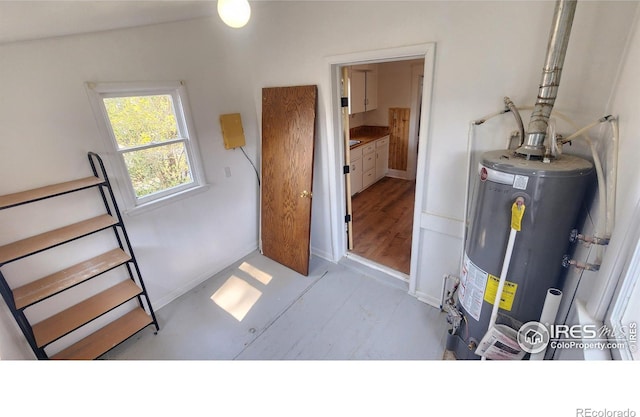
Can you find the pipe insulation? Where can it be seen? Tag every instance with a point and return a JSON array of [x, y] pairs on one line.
[[552, 70]]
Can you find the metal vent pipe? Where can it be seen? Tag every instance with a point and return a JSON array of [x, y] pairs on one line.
[[556, 51]]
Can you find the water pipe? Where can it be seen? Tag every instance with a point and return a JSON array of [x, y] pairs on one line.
[[605, 214], [517, 212], [548, 316], [580, 132], [516, 114], [612, 177]]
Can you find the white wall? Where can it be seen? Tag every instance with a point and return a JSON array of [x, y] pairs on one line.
[[394, 90], [485, 50], [397, 87], [48, 126]]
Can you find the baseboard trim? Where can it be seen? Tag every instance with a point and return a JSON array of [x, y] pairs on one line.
[[427, 299]]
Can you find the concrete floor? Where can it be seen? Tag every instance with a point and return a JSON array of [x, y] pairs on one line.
[[258, 309]]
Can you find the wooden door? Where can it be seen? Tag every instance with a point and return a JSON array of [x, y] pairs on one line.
[[399, 138], [344, 73], [288, 133]]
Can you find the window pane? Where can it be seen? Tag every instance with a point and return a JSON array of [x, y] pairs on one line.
[[141, 120], [159, 168]]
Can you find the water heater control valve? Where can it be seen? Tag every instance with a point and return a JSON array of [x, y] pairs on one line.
[[575, 236], [567, 262]]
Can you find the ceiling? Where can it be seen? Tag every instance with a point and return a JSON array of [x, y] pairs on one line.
[[28, 20]]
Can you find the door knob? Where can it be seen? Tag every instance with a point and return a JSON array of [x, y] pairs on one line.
[[306, 193]]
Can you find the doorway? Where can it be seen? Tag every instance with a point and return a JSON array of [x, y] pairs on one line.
[[419, 145], [382, 157]]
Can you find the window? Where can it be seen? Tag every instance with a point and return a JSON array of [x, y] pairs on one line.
[[147, 128], [622, 289], [624, 314]]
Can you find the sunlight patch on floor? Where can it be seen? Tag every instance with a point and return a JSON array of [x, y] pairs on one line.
[[236, 297], [256, 273]]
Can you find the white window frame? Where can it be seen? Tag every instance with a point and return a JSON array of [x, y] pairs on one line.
[[624, 310], [625, 314], [177, 91]]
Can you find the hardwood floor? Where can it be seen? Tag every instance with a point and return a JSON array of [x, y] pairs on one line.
[[383, 223]]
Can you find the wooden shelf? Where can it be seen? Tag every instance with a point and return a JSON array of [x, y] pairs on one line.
[[24, 197], [20, 249], [45, 287], [107, 337], [70, 319], [64, 326]]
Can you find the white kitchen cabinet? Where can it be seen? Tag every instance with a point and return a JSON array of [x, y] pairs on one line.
[[355, 170], [371, 88], [363, 88], [368, 178], [357, 97], [369, 163], [356, 176], [382, 157]]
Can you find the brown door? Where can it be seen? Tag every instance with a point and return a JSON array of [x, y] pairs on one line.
[[288, 133], [344, 73]]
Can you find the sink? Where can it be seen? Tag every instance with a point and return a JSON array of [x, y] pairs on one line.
[[354, 142]]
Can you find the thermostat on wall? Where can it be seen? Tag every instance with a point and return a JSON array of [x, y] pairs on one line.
[[232, 132]]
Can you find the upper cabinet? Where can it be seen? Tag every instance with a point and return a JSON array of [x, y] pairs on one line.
[[357, 83], [371, 88], [363, 88]]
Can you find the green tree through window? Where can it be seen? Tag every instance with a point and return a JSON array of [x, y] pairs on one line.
[[147, 135]]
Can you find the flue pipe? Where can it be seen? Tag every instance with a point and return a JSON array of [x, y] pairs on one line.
[[548, 91]]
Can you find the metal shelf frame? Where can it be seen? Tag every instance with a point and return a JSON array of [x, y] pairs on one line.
[[100, 180]]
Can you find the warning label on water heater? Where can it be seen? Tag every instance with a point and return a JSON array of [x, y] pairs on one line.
[[508, 292], [473, 281]]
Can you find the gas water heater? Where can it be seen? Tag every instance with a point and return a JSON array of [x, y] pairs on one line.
[[552, 193], [551, 187]]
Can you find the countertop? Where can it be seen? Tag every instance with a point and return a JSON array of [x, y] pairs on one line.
[[366, 134]]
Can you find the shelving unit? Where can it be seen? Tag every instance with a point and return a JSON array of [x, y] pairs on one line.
[[84, 311]]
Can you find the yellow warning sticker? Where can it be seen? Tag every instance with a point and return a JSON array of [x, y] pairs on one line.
[[508, 292]]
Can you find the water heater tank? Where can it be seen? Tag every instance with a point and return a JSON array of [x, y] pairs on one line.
[[553, 195]]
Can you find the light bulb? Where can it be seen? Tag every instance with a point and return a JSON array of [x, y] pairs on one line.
[[234, 13]]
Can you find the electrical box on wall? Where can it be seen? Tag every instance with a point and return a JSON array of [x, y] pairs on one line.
[[232, 132]]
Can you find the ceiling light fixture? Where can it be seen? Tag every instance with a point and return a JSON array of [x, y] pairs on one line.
[[234, 13]]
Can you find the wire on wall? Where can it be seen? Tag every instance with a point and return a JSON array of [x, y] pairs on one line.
[[252, 164]]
